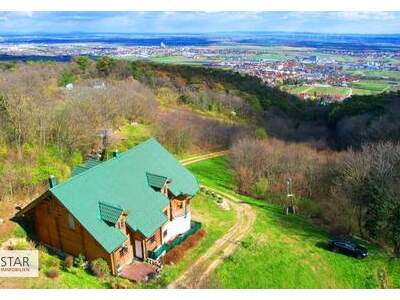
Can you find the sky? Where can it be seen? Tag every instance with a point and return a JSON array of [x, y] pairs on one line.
[[199, 22]]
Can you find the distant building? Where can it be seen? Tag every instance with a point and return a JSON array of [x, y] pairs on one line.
[[313, 59]]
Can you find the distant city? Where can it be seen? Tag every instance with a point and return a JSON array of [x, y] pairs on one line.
[[312, 66]]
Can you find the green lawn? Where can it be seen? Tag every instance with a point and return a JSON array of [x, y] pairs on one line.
[[215, 172], [371, 85], [331, 90], [71, 278], [131, 135], [318, 90], [288, 251], [363, 92]]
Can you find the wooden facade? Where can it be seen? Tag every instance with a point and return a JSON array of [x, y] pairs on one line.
[[56, 227]]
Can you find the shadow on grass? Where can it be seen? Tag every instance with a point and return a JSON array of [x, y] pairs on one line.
[[322, 245]]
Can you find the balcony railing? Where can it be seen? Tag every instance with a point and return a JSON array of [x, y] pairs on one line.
[[195, 226]]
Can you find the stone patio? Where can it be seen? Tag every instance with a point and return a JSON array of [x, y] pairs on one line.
[[138, 271]]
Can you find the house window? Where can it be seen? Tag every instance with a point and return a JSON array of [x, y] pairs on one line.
[[121, 225], [180, 204], [71, 222], [153, 239], [165, 233]]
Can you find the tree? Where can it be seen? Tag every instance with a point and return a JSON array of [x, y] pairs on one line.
[[66, 77], [370, 179], [83, 62], [353, 180], [105, 65]]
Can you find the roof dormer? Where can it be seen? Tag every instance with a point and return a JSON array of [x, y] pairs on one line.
[[110, 213]]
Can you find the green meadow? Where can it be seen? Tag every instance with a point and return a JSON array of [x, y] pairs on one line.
[[288, 251]]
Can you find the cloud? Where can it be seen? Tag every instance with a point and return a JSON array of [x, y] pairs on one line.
[[366, 15], [199, 22]]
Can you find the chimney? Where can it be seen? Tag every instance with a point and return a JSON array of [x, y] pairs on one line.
[[115, 153], [52, 181]]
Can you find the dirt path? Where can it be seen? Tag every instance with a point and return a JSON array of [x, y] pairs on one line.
[[198, 158], [198, 273]]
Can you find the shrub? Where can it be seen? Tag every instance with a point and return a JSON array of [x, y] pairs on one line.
[[83, 62], [66, 77], [52, 273], [261, 187], [100, 267], [68, 262], [260, 133], [173, 256], [151, 276], [176, 254], [117, 282], [21, 245], [79, 261], [51, 261], [105, 65], [20, 232]]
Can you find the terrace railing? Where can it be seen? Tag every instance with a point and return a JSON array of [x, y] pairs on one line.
[[156, 254]]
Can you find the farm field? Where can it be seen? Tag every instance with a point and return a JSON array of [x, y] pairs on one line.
[[316, 90], [362, 87], [371, 85], [271, 57], [288, 251], [394, 75], [176, 60]]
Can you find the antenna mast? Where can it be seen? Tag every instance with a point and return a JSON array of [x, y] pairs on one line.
[[290, 197]]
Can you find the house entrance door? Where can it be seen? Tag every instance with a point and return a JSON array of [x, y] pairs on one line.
[[138, 249]]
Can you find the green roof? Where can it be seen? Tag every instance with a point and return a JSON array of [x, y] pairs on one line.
[[123, 182], [156, 181], [110, 213], [89, 164]]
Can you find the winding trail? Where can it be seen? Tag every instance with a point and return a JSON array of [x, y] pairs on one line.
[[201, 157], [197, 275]]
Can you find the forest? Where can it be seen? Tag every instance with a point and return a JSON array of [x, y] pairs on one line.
[[343, 158]]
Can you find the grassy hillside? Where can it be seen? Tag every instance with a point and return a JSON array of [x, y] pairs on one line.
[[290, 252]]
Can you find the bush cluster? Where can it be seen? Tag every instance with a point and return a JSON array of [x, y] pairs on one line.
[[176, 254], [99, 267]]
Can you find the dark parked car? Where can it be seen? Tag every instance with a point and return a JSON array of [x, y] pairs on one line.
[[347, 246]]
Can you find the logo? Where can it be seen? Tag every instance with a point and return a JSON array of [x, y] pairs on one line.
[[19, 263]]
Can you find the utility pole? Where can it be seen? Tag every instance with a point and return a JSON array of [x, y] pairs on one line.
[[290, 197]]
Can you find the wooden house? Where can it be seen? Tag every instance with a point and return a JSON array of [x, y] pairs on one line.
[[121, 209]]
